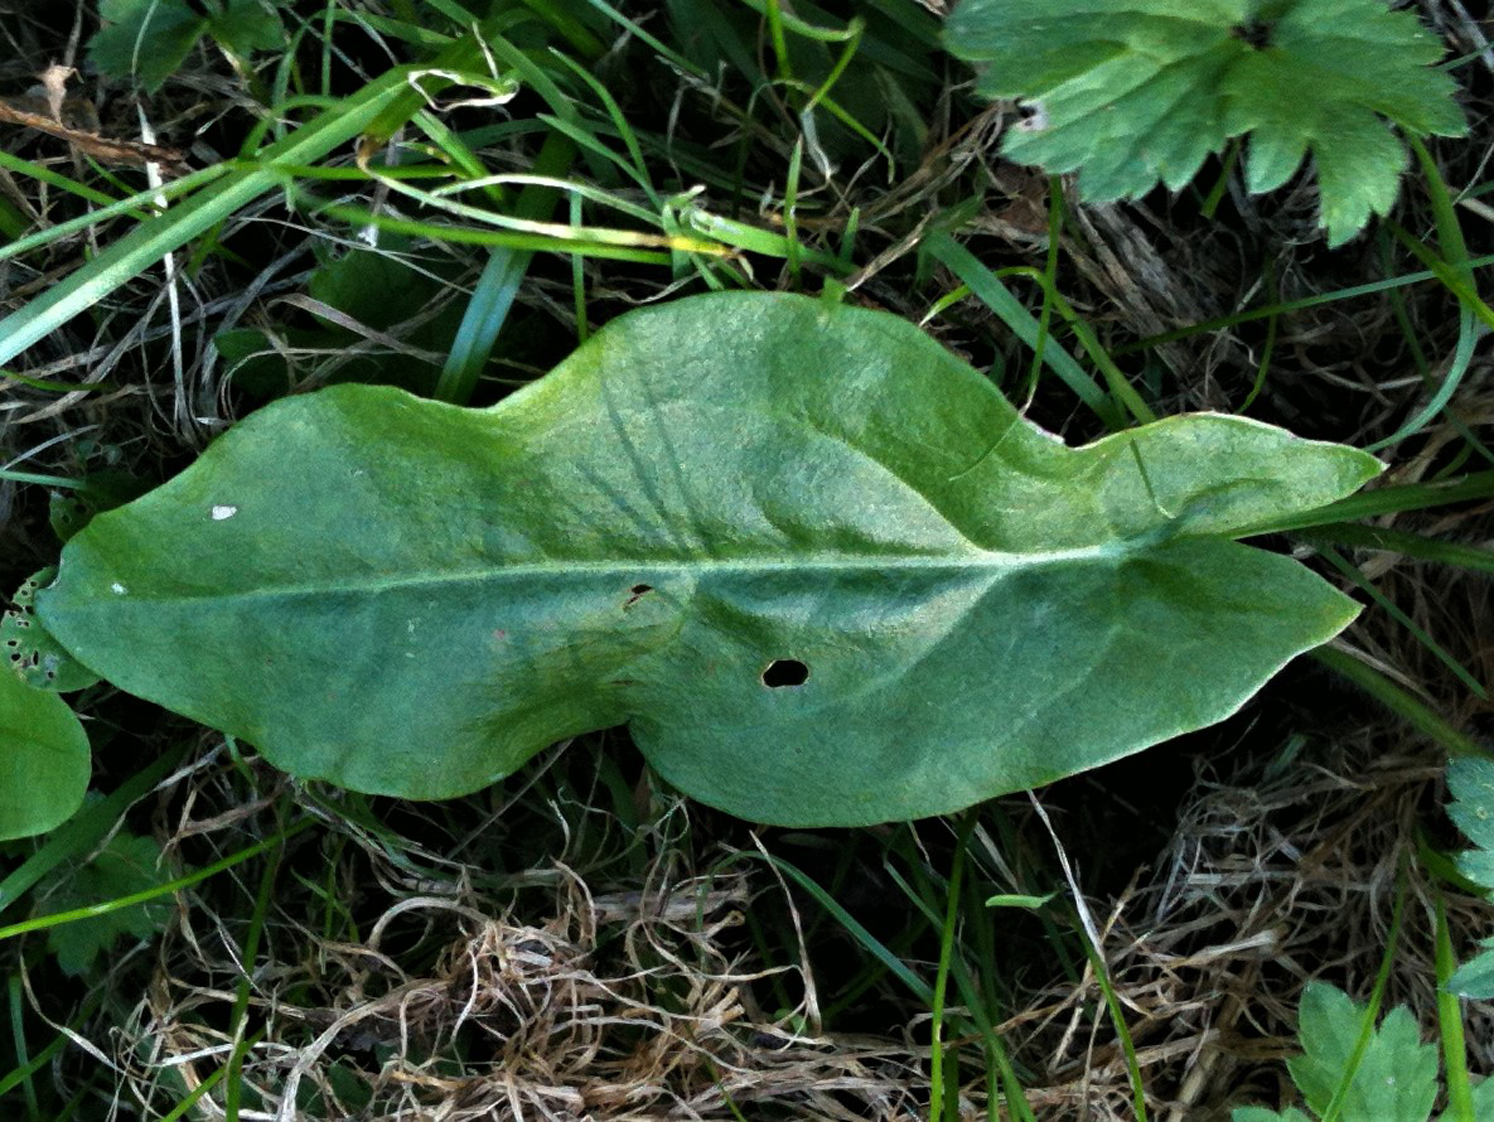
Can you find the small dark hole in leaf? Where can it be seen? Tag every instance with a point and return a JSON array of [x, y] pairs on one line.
[[640, 589], [1257, 35], [1034, 117], [785, 672]]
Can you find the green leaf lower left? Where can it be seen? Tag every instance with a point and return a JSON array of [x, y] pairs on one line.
[[44, 759]]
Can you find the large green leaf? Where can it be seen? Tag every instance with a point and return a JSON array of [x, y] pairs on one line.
[[44, 759], [1133, 92], [706, 501]]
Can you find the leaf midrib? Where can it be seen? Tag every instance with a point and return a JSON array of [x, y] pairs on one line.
[[634, 568]]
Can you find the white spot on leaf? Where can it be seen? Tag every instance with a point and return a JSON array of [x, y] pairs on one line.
[[118, 589], [223, 511], [1036, 119]]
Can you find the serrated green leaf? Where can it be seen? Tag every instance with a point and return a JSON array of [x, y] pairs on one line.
[[146, 39], [1470, 782], [246, 26], [44, 759], [821, 567], [1483, 1102], [1131, 93], [125, 866], [1396, 1080], [1475, 978], [149, 39], [29, 649]]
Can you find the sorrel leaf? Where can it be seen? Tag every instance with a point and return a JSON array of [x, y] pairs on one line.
[[1133, 92], [819, 565], [44, 760]]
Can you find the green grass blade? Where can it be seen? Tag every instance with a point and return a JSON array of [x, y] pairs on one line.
[[1343, 565], [941, 978], [18, 1076], [1400, 701], [1384, 500], [18, 1037], [874, 946], [639, 32], [988, 287], [250, 952], [1450, 1028], [127, 206], [149, 242], [496, 289], [1404, 542], [18, 166], [1371, 288], [1117, 1020], [41, 923]]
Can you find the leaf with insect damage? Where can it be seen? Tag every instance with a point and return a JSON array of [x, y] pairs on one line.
[[820, 567]]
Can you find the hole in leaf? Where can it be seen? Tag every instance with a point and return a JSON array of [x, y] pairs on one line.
[[1257, 35], [785, 672], [1034, 116], [637, 591]]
